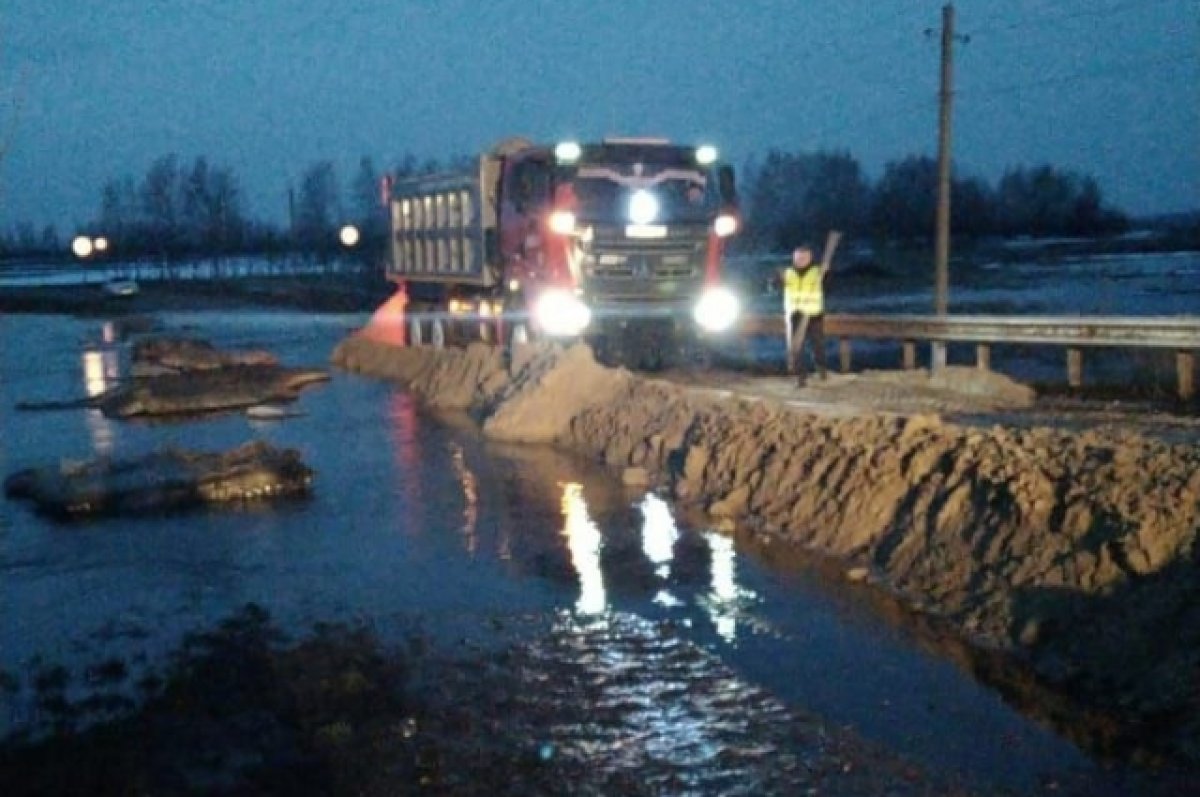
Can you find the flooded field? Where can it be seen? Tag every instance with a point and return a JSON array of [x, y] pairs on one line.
[[680, 659]]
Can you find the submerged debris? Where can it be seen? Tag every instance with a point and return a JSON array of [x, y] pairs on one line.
[[164, 480]]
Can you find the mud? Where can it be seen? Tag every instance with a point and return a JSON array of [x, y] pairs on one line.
[[1071, 551], [195, 391], [165, 353]]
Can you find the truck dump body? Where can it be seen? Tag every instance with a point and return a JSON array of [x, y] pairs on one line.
[[440, 228]]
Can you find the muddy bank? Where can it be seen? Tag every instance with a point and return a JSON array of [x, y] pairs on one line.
[[1071, 551]]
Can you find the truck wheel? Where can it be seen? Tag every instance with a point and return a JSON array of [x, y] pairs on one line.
[[414, 333], [604, 350], [437, 334]]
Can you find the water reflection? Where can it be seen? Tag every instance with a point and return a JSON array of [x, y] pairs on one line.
[[585, 543], [724, 600], [706, 584], [404, 424], [659, 535], [470, 488], [629, 698], [101, 372]]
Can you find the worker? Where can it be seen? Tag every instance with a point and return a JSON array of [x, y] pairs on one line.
[[804, 309]]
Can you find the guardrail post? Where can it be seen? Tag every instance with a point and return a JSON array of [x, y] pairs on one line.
[[983, 357], [1185, 370], [1075, 367], [910, 355], [844, 355]]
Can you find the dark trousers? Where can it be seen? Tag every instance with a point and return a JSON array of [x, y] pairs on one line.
[[807, 328]]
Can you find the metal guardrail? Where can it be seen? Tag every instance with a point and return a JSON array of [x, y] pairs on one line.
[[1173, 332], [1178, 333]]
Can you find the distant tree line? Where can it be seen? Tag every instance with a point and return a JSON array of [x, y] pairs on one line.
[[795, 197], [183, 210]]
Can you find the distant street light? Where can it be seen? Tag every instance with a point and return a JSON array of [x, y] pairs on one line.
[[100, 244], [83, 247], [349, 235]]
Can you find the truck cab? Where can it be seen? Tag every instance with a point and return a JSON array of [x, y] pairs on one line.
[[634, 228]]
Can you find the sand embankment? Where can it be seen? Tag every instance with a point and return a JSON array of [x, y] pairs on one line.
[[1073, 551]]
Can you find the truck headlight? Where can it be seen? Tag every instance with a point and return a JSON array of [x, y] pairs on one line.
[[717, 309], [725, 225], [560, 313], [562, 222], [643, 207]]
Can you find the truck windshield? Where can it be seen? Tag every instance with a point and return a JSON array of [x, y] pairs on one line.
[[603, 193]]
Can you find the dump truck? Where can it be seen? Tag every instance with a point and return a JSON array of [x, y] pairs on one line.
[[618, 242]]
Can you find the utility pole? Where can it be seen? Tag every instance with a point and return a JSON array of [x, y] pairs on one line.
[[942, 246]]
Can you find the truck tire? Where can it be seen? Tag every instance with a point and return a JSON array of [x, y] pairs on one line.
[[414, 333], [437, 334]]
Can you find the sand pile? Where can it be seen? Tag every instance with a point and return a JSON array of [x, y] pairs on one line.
[[1075, 551]]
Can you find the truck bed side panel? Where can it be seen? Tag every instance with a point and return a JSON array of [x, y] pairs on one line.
[[440, 230]]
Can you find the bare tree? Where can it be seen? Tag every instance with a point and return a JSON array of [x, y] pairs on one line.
[[159, 199], [318, 209]]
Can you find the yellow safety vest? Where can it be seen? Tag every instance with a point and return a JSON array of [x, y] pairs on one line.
[[802, 291]]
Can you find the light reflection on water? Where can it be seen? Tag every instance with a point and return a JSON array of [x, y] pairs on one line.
[[659, 535], [584, 542], [470, 490], [101, 373], [627, 697], [725, 598]]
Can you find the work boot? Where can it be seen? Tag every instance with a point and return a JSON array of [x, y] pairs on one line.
[[823, 375], [802, 381]]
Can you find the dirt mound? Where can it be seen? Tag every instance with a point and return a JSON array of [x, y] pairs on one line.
[[958, 389], [531, 399], [1073, 550]]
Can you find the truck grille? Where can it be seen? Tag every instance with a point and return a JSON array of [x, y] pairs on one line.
[[612, 256]]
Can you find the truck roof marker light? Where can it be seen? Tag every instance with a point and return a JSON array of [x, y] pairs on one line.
[[643, 207], [562, 222], [706, 154], [725, 225], [638, 140], [568, 152]]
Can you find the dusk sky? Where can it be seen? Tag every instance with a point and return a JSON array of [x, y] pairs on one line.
[[93, 90]]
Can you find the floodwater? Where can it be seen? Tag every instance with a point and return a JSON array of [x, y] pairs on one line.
[[416, 519]]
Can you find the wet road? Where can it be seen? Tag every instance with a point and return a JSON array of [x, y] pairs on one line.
[[417, 520]]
